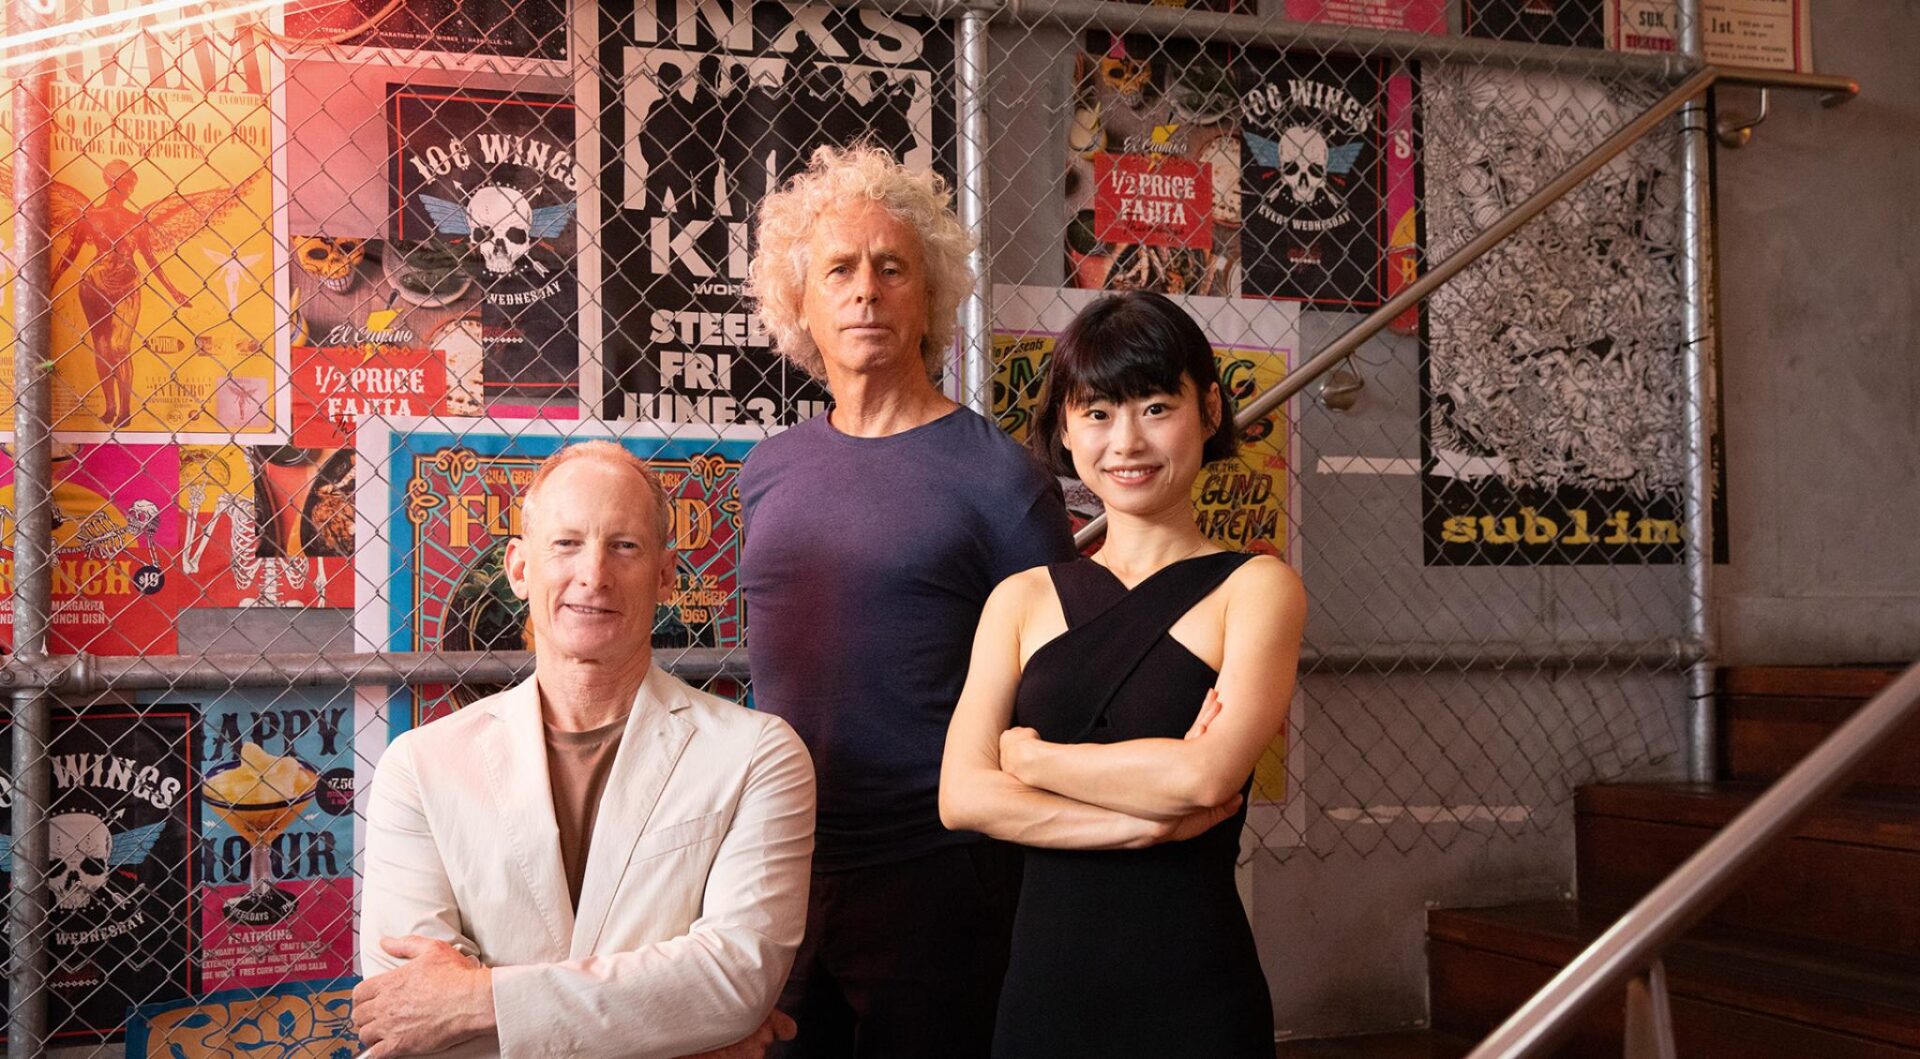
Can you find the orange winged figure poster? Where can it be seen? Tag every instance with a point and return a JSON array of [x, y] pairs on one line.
[[164, 266]]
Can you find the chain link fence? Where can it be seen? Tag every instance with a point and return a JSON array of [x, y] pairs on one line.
[[326, 280]]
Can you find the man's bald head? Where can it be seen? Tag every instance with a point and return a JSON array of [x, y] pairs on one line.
[[609, 453]]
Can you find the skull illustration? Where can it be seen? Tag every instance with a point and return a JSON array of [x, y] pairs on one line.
[[81, 847], [144, 516], [1303, 163], [501, 220], [332, 261]]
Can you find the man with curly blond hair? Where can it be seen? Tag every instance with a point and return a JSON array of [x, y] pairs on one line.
[[874, 533]]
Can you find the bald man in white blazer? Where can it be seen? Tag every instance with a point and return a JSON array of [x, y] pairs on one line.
[[600, 862]]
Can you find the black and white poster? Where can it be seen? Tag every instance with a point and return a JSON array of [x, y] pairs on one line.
[[522, 29], [1553, 381], [1311, 179], [485, 182], [120, 867], [1569, 23], [720, 104]]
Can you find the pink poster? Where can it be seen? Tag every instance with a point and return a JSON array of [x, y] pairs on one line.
[[1403, 197]]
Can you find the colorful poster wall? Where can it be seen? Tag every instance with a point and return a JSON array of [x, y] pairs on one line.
[[121, 871], [1552, 378], [440, 498], [276, 837], [721, 103], [163, 213], [299, 1020], [115, 531]]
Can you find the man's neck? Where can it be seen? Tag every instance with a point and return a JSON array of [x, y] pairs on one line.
[[580, 696], [869, 406]]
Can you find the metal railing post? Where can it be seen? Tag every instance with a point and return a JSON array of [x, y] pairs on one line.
[[976, 335], [27, 904], [1697, 341]]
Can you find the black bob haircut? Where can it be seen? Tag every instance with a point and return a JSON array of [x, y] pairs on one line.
[[1126, 346]]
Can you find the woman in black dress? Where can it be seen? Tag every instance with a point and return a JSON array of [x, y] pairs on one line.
[[1114, 710]]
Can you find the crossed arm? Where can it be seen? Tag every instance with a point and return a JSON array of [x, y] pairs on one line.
[[428, 990], [1011, 785]]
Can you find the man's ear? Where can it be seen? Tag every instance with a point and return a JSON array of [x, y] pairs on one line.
[[669, 572], [516, 566]]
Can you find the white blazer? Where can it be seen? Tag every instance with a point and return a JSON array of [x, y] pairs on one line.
[[695, 892]]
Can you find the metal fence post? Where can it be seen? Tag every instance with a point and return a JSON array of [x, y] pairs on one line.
[[33, 549], [1697, 337], [976, 338]]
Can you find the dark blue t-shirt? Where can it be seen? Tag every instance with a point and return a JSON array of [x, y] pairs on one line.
[[867, 563]]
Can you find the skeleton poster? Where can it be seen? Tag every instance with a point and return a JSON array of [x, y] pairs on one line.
[[1153, 167], [440, 498], [1568, 23], [721, 102], [1311, 178], [520, 29], [162, 211], [484, 184], [296, 1020], [224, 560], [115, 530], [275, 857], [120, 831], [1553, 382]]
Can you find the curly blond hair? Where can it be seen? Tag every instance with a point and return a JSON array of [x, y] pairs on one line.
[[834, 179]]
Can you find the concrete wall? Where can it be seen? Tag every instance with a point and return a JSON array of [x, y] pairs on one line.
[[1819, 340]]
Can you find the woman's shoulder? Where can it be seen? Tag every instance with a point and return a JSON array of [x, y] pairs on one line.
[[1266, 580]]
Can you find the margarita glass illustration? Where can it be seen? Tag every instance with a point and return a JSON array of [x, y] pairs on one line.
[[260, 795]]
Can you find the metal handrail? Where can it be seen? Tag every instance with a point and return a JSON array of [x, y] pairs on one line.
[[1592, 162], [1690, 892]]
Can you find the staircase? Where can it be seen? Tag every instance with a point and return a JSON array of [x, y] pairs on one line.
[[1815, 956]]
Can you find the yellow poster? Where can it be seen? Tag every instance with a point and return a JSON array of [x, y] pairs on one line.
[[162, 214]]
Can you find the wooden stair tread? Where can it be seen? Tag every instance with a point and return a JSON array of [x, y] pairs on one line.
[[1803, 682], [1421, 1044], [1884, 818], [1869, 994]]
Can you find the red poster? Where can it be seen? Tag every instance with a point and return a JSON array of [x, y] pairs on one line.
[[1153, 200], [332, 385]]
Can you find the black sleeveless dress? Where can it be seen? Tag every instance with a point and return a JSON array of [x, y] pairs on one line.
[[1121, 953]]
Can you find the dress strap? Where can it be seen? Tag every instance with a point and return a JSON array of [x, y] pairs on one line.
[[1086, 589], [1112, 643]]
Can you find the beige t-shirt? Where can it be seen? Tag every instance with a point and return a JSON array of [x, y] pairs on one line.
[[578, 764]]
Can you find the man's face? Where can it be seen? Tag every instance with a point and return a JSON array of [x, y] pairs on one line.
[[867, 297], [589, 565]]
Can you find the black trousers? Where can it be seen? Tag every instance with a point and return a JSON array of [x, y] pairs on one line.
[[905, 959]]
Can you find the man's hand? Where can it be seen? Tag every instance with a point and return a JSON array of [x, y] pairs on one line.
[[1018, 748], [777, 1027], [435, 1000]]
